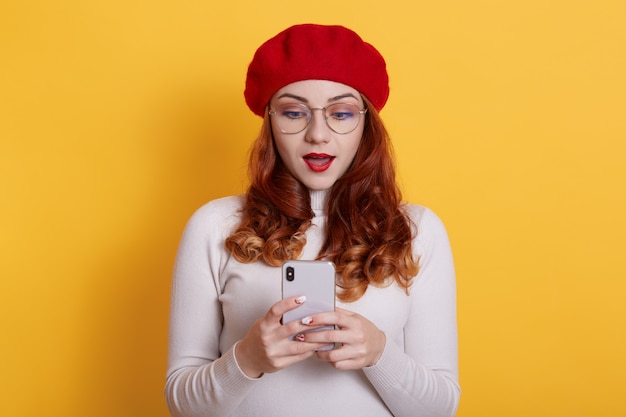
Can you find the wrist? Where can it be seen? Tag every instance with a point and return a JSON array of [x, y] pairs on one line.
[[241, 359], [382, 344]]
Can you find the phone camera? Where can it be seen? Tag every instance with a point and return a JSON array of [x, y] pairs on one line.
[[291, 273]]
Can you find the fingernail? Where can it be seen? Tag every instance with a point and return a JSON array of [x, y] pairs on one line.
[[299, 337], [307, 320], [301, 299]]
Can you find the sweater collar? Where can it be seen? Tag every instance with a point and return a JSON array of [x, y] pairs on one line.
[[318, 201]]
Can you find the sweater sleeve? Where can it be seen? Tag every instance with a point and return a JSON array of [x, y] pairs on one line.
[[421, 377], [201, 380]]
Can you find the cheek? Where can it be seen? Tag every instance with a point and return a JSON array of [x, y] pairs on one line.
[[283, 147], [352, 146]]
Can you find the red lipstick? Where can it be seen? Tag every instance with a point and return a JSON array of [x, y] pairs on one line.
[[318, 162]]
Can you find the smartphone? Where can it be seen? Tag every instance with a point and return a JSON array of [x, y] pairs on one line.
[[316, 281]]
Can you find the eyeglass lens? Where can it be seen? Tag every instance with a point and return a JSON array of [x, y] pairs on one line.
[[291, 118]]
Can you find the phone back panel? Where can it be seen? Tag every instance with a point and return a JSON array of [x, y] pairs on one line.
[[316, 281]]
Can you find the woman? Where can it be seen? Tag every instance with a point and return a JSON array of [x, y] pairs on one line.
[[322, 187]]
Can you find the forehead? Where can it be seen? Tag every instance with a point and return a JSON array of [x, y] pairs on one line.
[[318, 92]]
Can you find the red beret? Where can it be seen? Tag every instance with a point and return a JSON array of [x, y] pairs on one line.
[[316, 52]]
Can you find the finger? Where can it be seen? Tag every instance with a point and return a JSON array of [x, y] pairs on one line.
[[289, 360], [322, 319], [338, 319], [322, 337], [279, 308], [296, 327], [344, 365], [340, 355], [303, 347], [349, 331]]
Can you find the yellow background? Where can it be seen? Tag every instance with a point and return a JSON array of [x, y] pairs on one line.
[[119, 118]]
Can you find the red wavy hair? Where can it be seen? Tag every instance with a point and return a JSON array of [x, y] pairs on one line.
[[368, 235]]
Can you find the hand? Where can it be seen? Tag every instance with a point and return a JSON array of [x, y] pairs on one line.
[[266, 347], [362, 343]]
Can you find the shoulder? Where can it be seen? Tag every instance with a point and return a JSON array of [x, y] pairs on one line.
[[219, 214], [423, 216], [429, 229], [224, 206]]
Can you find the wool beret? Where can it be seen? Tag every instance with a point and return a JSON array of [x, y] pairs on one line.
[[316, 52]]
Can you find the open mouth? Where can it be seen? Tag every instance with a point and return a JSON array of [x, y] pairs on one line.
[[318, 162]]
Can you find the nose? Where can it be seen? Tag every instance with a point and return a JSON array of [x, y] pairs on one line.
[[317, 131]]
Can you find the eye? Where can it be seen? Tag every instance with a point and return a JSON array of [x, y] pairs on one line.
[[342, 115], [293, 114], [342, 111], [293, 111]]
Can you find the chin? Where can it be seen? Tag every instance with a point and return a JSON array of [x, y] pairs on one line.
[[318, 185]]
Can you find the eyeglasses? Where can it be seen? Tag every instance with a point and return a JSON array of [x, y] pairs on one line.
[[341, 118]]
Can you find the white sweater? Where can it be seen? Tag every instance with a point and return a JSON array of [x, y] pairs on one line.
[[215, 299]]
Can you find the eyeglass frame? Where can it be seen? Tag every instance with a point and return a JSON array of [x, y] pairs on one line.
[[362, 111]]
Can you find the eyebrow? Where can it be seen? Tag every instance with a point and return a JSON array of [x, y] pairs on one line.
[[330, 100]]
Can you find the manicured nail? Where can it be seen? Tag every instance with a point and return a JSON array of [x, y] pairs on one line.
[[299, 337], [301, 299], [307, 320]]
